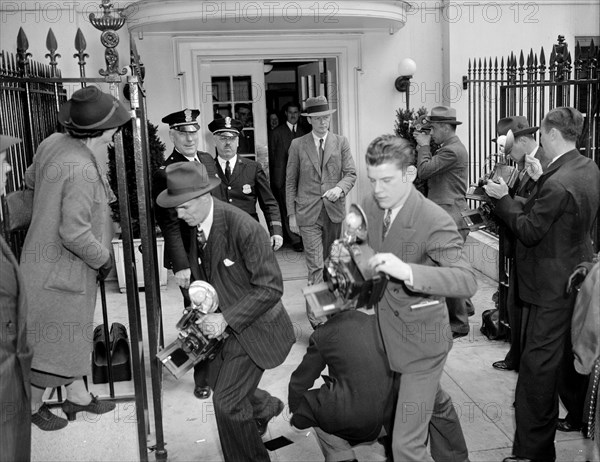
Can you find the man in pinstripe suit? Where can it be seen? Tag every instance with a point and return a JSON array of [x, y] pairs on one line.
[[232, 252]]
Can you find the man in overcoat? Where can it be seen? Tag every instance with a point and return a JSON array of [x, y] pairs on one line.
[[232, 252], [553, 228]]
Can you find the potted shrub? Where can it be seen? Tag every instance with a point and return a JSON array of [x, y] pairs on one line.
[[156, 152]]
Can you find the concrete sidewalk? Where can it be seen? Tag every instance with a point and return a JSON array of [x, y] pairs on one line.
[[482, 396]]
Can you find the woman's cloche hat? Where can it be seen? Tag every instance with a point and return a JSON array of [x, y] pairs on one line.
[[91, 109]]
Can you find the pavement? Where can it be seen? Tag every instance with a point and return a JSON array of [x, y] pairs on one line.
[[482, 396]]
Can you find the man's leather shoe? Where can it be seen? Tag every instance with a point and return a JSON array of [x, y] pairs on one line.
[[502, 366], [456, 335], [564, 426], [516, 459], [202, 392], [299, 247]]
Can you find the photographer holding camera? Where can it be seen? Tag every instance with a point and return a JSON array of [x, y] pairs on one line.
[[419, 247], [231, 251]]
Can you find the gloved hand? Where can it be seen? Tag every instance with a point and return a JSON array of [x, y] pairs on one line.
[[576, 278], [105, 269]]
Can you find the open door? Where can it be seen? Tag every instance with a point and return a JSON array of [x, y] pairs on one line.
[[236, 89], [319, 78]]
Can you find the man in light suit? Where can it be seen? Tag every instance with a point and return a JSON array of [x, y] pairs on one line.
[[420, 249], [231, 251], [553, 227], [447, 176], [279, 145], [15, 353], [320, 173]]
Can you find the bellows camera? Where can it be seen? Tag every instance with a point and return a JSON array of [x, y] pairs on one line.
[[350, 282], [192, 346]]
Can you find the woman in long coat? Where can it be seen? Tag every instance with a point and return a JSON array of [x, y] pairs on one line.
[[67, 249]]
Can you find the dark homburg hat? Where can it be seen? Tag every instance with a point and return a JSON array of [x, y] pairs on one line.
[[226, 125], [185, 181], [518, 124], [91, 109], [317, 106], [183, 121], [444, 115]]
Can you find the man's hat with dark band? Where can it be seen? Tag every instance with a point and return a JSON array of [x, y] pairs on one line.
[[518, 124], [317, 106], [226, 125], [185, 181], [183, 121], [443, 115]]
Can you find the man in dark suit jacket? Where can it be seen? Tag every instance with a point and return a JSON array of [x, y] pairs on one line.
[[420, 249], [15, 353], [447, 176], [279, 145], [553, 228], [357, 399], [530, 160], [231, 251], [320, 174], [243, 181]]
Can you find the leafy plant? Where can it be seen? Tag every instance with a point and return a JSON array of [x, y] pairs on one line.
[[156, 149]]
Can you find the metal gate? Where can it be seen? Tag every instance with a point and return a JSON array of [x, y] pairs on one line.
[[31, 94]]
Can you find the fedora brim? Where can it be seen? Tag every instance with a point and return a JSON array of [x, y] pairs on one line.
[[449, 122], [7, 141], [167, 200], [525, 131], [317, 114], [118, 117]]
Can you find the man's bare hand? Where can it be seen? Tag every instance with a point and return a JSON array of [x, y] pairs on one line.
[[293, 225], [496, 190], [422, 138], [333, 194], [390, 264], [212, 325], [182, 278]]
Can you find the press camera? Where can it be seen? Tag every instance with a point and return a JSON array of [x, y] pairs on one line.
[[192, 346], [482, 216], [349, 281]]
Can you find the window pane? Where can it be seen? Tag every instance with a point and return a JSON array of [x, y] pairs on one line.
[[242, 88]]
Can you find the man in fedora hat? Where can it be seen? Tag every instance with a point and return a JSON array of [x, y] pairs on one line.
[[320, 173], [243, 181], [553, 230], [447, 177], [523, 149], [15, 390], [232, 252]]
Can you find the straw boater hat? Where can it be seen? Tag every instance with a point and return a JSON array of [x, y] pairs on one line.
[[443, 114], [226, 125], [7, 141], [317, 106], [185, 181], [91, 109]]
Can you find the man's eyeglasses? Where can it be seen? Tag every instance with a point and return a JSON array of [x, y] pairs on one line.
[[226, 139]]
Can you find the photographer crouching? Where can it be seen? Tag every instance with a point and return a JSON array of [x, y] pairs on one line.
[[231, 251]]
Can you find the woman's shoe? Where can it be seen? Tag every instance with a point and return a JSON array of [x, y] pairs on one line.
[[95, 407], [46, 420], [100, 354], [120, 353]]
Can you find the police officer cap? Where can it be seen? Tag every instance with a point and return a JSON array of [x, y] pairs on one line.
[[226, 125], [183, 121]]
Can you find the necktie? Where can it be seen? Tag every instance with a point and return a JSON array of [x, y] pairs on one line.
[[387, 221], [321, 152], [201, 238], [293, 129], [227, 171]]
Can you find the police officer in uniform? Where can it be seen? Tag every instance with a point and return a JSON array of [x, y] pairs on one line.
[[243, 180]]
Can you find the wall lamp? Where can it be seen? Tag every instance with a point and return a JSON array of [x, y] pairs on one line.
[[406, 69]]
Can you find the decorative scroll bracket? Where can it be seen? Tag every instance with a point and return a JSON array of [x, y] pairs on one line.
[[109, 23]]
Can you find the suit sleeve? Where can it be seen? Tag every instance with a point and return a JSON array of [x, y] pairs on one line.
[[452, 275], [348, 168], [428, 166], [267, 202], [305, 375], [291, 179], [530, 226], [169, 225]]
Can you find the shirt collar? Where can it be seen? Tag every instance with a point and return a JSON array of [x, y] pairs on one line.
[[555, 159], [317, 138], [232, 162], [206, 225], [290, 126]]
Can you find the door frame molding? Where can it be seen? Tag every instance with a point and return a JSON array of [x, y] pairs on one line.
[[189, 52]]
